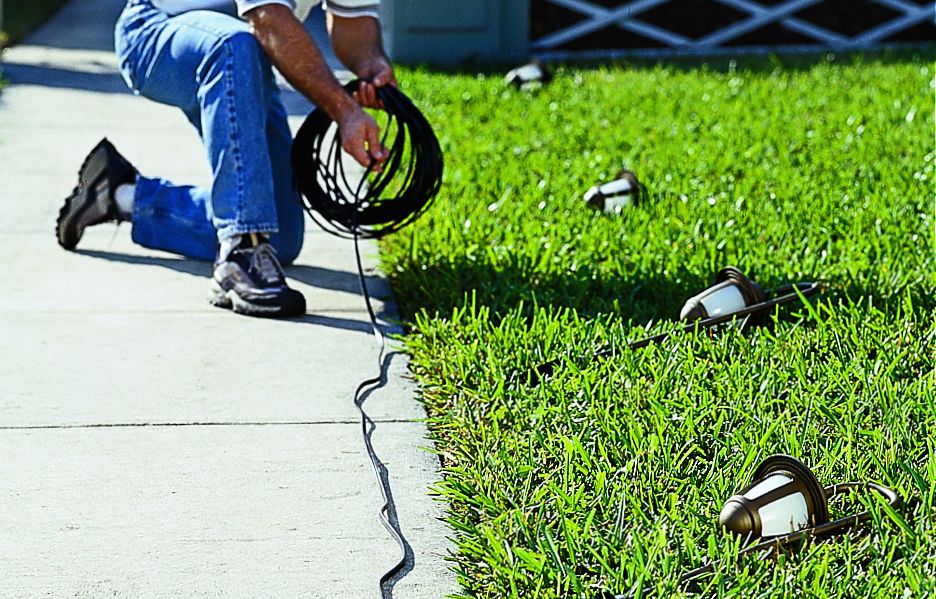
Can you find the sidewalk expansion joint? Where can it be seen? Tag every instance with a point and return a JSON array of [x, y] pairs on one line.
[[33, 427]]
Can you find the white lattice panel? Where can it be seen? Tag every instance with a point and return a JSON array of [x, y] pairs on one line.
[[627, 17]]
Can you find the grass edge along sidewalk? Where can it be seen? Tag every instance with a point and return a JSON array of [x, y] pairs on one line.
[[20, 18], [610, 476]]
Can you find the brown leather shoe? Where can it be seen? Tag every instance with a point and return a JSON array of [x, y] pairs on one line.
[[92, 200]]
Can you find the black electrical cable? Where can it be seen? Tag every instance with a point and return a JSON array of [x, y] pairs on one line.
[[412, 172], [783, 295], [388, 513]]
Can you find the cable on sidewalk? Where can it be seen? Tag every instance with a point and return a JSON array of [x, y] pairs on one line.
[[382, 202]]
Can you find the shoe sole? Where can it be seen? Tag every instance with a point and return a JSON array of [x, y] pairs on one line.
[[67, 237], [229, 300], [61, 223]]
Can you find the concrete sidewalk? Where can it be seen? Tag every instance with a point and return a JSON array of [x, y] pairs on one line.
[[153, 445]]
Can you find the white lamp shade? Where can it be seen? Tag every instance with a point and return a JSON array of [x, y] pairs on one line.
[[532, 72], [618, 186], [775, 481], [529, 72], [614, 196], [785, 515], [726, 300]]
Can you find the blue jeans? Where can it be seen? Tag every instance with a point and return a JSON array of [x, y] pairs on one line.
[[211, 66]]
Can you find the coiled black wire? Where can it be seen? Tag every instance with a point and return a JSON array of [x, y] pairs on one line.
[[393, 197]]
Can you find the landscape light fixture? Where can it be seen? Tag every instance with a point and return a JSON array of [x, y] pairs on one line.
[[531, 74], [783, 505], [732, 292], [785, 500], [615, 196], [733, 298]]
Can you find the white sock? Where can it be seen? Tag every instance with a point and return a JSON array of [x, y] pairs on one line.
[[124, 195], [227, 245]]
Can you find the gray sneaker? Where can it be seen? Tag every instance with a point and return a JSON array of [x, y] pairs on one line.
[[92, 201], [250, 280]]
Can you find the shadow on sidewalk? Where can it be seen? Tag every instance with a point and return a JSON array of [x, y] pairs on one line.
[[80, 25], [57, 77], [345, 324], [314, 276], [339, 280], [183, 265]]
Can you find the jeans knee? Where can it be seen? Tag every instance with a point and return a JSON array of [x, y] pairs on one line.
[[239, 51], [237, 66], [242, 45]]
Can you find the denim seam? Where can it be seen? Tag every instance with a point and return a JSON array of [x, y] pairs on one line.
[[235, 138], [258, 228], [139, 208]]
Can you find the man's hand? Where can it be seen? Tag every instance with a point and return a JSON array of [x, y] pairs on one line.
[[360, 137], [374, 73], [357, 44], [286, 42]]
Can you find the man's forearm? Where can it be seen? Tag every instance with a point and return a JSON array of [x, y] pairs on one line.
[[356, 41], [285, 40]]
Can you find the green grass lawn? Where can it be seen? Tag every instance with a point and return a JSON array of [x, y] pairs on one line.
[[610, 475], [20, 17]]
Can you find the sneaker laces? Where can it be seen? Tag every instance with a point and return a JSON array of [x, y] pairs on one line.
[[264, 261]]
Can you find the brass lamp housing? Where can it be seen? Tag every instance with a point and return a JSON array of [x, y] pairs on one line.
[[785, 497]]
